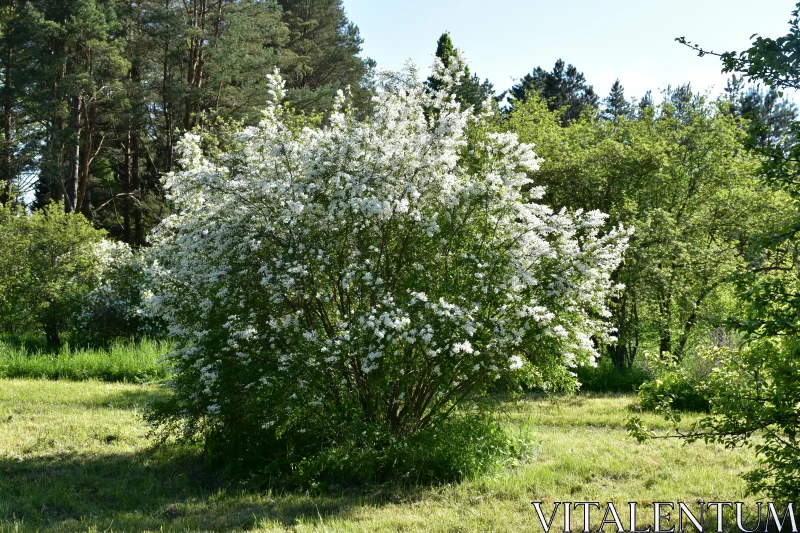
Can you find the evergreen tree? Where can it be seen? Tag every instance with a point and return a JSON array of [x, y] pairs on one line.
[[646, 101], [17, 147], [616, 106], [74, 90], [682, 99], [471, 91], [770, 116], [563, 87], [101, 90], [322, 54]]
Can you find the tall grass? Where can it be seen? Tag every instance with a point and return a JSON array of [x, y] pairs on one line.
[[133, 362]]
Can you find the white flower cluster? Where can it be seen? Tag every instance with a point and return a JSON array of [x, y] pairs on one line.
[[383, 268], [115, 306]]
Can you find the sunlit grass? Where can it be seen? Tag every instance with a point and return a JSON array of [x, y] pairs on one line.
[[74, 457], [122, 361]]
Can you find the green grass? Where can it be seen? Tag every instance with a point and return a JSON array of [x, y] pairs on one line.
[[122, 361], [74, 457]]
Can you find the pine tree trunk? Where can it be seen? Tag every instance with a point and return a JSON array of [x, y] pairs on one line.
[[126, 184], [71, 196], [6, 167], [167, 106], [84, 200], [136, 188]]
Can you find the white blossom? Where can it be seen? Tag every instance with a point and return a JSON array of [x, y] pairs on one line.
[[355, 259]]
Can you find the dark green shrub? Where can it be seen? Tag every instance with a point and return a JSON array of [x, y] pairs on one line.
[[49, 261], [461, 447], [605, 377], [678, 386]]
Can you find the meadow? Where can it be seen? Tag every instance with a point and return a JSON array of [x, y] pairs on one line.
[[75, 456]]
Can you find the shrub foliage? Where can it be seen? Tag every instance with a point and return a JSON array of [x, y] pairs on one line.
[[381, 271], [49, 262]]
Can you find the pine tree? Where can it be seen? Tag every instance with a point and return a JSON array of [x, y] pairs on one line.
[[646, 101], [322, 54], [562, 88], [616, 106], [682, 99], [770, 116], [15, 153], [74, 89], [471, 91], [102, 89]]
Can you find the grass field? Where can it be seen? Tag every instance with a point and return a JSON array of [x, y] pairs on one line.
[[122, 361], [74, 457]]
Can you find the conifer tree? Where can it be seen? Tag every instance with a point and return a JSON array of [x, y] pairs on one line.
[[770, 116], [563, 87], [471, 91], [322, 56], [95, 93], [616, 106]]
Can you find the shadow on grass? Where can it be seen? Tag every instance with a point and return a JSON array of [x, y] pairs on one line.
[[162, 487], [159, 487], [132, 399], [62, 490]]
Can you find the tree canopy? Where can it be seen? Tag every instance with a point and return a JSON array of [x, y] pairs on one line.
[[563, 87]]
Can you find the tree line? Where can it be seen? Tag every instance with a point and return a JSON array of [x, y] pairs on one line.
[[94, 93], [686, 173]]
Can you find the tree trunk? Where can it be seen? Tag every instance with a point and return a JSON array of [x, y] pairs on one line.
[[665, 317], [194, 75], [136, 188], [634, 348], [51, 331], [84, 200], [665, 344], [620, 352], [6, 167], [71, 196], [167, 106], [687, 329], [126, 184], [135, 192]]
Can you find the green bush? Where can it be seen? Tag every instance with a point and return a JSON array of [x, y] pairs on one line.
[[49, 261], [678, 386], [115, 307], [752, 395], [755, 392], [605, 377], [461, 447]]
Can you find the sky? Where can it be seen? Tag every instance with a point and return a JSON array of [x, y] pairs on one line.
[[633, 40]]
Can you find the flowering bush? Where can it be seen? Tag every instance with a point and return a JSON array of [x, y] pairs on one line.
[[114, 308], [373, 273]]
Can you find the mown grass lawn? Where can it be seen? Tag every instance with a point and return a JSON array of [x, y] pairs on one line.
[[74, 457]]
